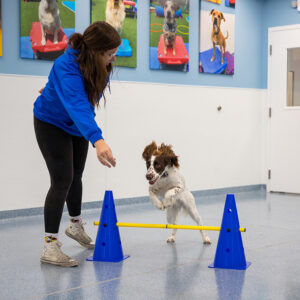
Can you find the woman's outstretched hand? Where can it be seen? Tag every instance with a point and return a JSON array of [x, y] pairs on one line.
[[104, 154]]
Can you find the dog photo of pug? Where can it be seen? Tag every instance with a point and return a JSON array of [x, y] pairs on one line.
[[45, 27], [217, 30], [169, 35], [122, 15]]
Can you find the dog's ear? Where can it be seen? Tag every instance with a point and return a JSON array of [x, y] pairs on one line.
[[162, 2], [222, 17], [211, 12], [170, 158], [174, 161], [177, 4], [149, 150]]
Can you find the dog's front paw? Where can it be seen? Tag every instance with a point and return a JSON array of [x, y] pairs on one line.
[[160, 206], [167, 202], [171, 239], [206, 240]]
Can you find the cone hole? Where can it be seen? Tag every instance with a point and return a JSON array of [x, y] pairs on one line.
[[103, 244], [227, 250], [104, 225], [228, 229], [106, 206], [229, 210]]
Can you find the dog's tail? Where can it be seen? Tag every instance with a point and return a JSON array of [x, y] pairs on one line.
[[227, 36]]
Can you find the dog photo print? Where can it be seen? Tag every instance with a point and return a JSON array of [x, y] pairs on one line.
[[169, 35], [122, 15], [230, 3], [0, 31], [217, 32], [45, 28], [214, 1]]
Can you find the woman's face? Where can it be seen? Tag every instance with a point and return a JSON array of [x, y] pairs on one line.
[[110, 56]]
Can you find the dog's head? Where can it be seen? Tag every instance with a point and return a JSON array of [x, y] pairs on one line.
[[170, 7], [117, 3], [217, 17], [158, 159]]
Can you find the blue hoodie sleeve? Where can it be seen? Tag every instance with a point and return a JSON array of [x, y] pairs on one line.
[[69, 84]]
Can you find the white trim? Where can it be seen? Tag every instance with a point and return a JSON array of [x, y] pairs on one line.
[[282, 28]]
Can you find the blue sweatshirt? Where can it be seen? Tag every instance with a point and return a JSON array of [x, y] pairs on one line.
[[64, 100]]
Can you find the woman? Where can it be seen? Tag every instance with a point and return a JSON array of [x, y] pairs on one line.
[[64, 125]]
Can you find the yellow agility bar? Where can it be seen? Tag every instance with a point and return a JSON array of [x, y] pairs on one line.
[[168, 226]]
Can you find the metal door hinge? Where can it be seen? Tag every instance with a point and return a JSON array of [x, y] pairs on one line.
[[270, 112], [270, 50], [269, 174]]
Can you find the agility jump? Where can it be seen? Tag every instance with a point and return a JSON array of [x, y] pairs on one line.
[[170, 226], [229, 253]]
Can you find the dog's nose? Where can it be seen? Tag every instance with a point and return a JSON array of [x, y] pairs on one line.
[[149, 176]]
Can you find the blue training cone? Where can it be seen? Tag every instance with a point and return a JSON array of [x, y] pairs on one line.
[[108, 245], [230, 251]]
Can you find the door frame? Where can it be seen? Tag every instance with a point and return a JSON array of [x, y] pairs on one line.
[[269, 101]]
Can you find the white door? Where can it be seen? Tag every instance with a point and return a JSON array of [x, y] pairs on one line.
[[284, 101]]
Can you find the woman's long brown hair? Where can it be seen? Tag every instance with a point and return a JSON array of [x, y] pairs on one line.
[[98, 38]]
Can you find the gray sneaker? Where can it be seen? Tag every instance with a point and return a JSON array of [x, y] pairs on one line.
[[76, 232], [52, 254]]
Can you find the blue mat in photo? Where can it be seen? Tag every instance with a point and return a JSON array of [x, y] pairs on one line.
[[25, 44], [154, 62], [214, 67], [124, 50], [70, 5]]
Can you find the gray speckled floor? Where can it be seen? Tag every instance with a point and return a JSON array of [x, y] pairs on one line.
[[155, 269]]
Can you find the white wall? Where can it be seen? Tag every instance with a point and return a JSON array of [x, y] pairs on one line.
[[216, 148]]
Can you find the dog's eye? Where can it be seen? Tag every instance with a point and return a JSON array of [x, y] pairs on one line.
[[156, 164], [219, 16]]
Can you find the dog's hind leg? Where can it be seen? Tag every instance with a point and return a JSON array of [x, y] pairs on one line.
[[214, 52], [191, 209], [172, 215], [43, 41], [55, 40]]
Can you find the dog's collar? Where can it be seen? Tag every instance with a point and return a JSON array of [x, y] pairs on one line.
[[165, 174], [216, 32]]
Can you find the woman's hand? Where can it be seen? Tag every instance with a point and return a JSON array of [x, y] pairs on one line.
[[104, 154]]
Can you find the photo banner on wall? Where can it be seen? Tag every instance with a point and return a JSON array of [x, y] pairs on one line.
[[45, 28], [217, 34], [0, 30], [169, 35], [122, 15]]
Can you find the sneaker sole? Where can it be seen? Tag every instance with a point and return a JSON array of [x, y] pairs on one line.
[[88, 246], [45, 261]]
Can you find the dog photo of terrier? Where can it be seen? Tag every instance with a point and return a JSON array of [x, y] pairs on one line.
[[49, 19], [115, 14], [217, 36], [167, 189], [170, 27]]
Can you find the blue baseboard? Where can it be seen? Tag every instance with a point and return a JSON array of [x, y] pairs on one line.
[[8, 214]]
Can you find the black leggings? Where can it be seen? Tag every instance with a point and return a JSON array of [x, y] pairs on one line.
[[65, 156]]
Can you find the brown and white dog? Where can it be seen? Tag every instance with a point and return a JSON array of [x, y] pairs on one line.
[[170, 27], [115, 14], [49, 19], [217, 36], [168, 184]]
